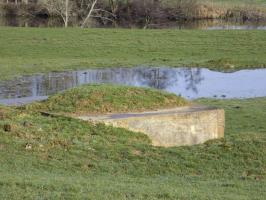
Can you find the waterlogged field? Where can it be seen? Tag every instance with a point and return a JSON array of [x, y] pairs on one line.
[[44, 157], [57, 157], [33, 50]]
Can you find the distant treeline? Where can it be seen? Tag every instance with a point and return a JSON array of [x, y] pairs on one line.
[[144, 11]]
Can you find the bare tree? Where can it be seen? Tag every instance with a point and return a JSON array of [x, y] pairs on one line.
[[94, 12], [114, 5], [85, 9], [91, 5], [25, 1], [62, 8]]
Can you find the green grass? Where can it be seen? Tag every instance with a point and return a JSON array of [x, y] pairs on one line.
[[96, 99], [71, 159], [63, 158], [238, 2], [33, 50]]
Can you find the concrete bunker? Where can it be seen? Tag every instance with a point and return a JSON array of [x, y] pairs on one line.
[[170, 127]]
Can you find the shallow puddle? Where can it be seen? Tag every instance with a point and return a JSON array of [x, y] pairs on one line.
[[190, 83]]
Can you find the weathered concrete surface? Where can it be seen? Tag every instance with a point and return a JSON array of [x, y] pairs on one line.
[[171, 127]]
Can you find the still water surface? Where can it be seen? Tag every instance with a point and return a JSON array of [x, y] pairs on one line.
[[190, 83]]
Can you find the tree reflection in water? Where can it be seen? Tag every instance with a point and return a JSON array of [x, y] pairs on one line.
[[188, 82], [51, 83], [192, 77]]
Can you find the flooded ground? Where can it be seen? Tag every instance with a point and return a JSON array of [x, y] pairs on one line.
[[194, 24], [190, 83]]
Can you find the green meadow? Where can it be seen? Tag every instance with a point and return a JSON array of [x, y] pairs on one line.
[[33, 50]]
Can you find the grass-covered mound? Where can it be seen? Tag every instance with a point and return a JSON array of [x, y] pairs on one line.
[[64, 158], [108, 99]]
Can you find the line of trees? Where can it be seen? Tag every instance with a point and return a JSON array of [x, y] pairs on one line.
[[86, 9], [83, 9], [121, 11]]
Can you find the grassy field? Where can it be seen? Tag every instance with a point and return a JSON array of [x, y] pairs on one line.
[[32, 50], [63, 158], [239, 2]]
